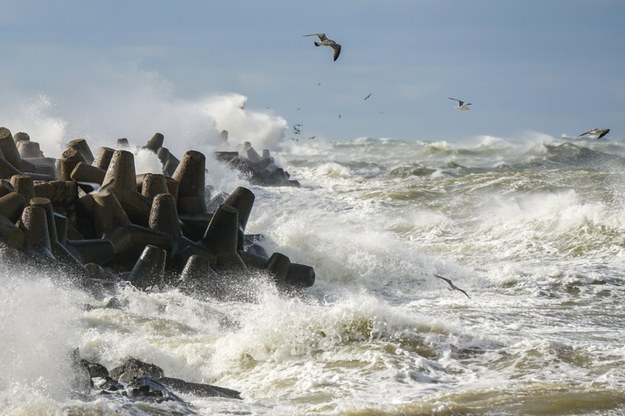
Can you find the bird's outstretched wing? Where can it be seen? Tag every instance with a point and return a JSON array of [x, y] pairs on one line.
[[337, 51], [321, 36], [460, 102]]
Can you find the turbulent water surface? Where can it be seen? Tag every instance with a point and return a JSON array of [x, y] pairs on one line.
[[533, 230]]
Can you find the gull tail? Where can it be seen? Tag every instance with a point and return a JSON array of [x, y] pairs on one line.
[[317, 44]]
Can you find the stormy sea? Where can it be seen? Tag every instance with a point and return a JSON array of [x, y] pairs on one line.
[[532, 229]]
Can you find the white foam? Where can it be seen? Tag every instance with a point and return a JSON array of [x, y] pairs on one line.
[[39, 327]]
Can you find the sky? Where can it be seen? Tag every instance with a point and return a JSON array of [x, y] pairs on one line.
[[120, 68]]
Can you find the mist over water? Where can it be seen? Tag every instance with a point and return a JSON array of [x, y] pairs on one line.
[[531, 227], [134, 104]]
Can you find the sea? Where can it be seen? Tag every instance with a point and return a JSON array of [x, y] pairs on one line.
[[531, 228]]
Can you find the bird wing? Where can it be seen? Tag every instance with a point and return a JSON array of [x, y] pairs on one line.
[[322, 36], [586, 132], [444, 278], [460, 102], [337, 50], [465, 293]]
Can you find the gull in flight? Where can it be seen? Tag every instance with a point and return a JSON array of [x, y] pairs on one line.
[[598, 133], [327, 42], [368, 96], [451, 284], [461, 104]]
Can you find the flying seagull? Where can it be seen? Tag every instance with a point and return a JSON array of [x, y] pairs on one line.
[[368, 96], [327, 42], [451, 284], [599, 133], [461, 104]]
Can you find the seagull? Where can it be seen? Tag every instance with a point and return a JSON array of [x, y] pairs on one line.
[[451, 284], [599, 133], [461, 104], [327, 42], [368, 96]]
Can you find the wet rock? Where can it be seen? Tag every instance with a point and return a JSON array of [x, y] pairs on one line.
[[198, 389], [139, 380], [95, 369], [148, 388], [259, 170], [134, 368]]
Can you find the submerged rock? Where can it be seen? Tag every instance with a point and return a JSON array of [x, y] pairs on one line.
[[140, 381], [134, 368]]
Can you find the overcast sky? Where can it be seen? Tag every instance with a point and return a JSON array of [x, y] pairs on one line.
[[551, 66]]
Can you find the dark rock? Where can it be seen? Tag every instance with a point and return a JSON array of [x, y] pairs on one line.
[[259, 170], [198, 389], [146, 387], [95, 369], [134, 368]]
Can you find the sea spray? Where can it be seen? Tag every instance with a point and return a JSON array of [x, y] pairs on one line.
[[537, 245], [40, 326]]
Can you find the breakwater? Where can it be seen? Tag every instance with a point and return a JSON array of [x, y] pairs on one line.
[[93, 216], [90, 216]]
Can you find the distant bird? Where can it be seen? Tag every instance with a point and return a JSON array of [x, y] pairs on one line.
[[463, 106], [368, 96], [451, 284], [327, 42], [599, 133]]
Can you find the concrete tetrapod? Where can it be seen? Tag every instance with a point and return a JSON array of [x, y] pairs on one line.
[[35, 227], [221, 238], [190, 175], [11, 206], [242, 199], [103, 158], [68, 161], [153, 184], [149, 270], [164, 218], [169, 161], [198, 276], [23, 185], [10, 234], [155, 142], [121, 179], [87, 175], [82, 146], [59, 251]]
